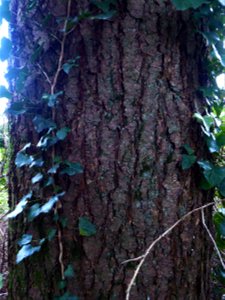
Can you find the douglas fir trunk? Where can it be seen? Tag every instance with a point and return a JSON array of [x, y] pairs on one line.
[[128, 100]]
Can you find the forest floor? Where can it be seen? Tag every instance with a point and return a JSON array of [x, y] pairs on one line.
[[3, 257]]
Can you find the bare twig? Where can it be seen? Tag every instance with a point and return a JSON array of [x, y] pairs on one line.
[[212, 239], [45, 74], [143, 257], [53, 87]]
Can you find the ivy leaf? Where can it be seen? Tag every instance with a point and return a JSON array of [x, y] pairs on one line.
[[49, 204], [26, 239], [186, 4], [53, 169], [16, 108], [47, 141], [221, 187], [37, 163], [51, 234], [219, 52], [62, 133], [34, 211], [5, 11], [219, 221], [23, 159], [205, 165], [215, 176], [72, 169], [188, 161], [1, 280], [189, 150], [20, 206], [41, 124], [66, 296], [86, 228], [4, 93], [38, 177], [26, 251], [212, 145], [52, 99], [49, 182], [69, 272], [105, 16], [5, 50], [104, 5], [70, 64]]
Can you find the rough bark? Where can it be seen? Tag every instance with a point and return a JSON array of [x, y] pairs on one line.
[[129, 105]]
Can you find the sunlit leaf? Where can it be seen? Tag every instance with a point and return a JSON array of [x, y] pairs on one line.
[[26, 239], [38, 177], [5, 50], [26, 251], [4, 92], [23, 159], [20, 206]]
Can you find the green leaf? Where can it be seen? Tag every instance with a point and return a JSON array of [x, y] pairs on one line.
[[219, 52], [4, 93], [219, 221], [26, 251], [23, 159], [1, 280], [41, 124], [105, 16], [52, 99], [5, 50], [212, 145], [72, 169], [204, 184], [205, 165], [51, 234], [104, 5], [50, 181], [70, 64], [47, 141], [53, 169], [26, 239], [66, 296], [221, 188], [38, 177], [69, 272], [5, 11], [215, 176], [62, 133], [16, 108], [189, 150], [62, 284], [86, 228], [37, 163], [34, 211], [186, 4], [188, 161], [20, 206], [49, 204]]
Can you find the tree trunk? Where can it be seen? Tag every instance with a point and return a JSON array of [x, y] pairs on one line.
[[129, 104]]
